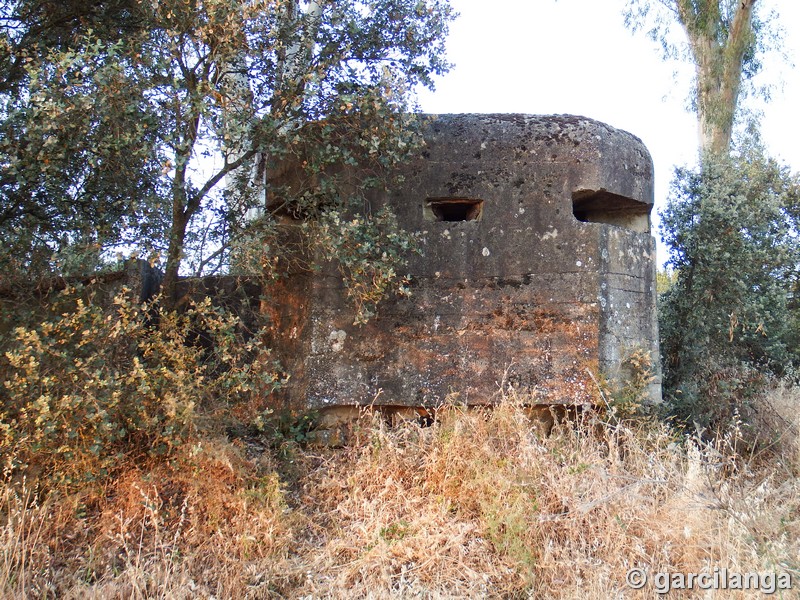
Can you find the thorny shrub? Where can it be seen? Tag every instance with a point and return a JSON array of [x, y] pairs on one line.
[[90, 384]]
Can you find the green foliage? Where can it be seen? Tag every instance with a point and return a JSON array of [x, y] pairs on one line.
[[33, 28], [395, 532], [195, 97], [78, 171], [289, 426], [89, 386], [726, 322], [369, 252], [665, 279]]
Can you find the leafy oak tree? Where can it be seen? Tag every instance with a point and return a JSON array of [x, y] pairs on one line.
[[166, 135], [104, 135], [67, 191], [32, 28]]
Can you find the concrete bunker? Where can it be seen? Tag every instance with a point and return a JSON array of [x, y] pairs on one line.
[[537, 275]]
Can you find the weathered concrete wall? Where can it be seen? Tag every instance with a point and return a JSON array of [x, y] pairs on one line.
[[537, 273]]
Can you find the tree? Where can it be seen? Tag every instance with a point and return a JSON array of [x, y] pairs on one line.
[[79, 161], [724, 41], [726, 321], [218, 83], [731, 224], [32, 28]]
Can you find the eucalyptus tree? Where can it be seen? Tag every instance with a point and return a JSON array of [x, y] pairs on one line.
[[725, 40], [731, 224]]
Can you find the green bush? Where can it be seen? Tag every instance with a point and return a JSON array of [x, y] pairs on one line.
[[726, 321], [90, 385]]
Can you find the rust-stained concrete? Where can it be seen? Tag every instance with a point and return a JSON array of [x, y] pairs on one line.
[[547, 283]]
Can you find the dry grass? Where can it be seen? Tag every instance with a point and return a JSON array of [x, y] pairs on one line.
[[476, 506]]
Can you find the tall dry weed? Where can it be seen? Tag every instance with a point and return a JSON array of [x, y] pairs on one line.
[[210, 524], [478, 505], [481, 506]]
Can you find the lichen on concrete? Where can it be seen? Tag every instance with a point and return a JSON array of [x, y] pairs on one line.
[[538, 273]]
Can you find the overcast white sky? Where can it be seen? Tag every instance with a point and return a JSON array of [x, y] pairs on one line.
[[577, 57]]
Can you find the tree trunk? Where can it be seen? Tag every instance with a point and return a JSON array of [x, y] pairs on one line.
[[169, 286], [719, 52]]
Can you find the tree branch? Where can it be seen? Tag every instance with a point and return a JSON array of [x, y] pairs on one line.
[[740, 28], [687, 14], [199, 270], [197, 198]]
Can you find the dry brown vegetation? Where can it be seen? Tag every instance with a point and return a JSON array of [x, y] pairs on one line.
[[476, 506]]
